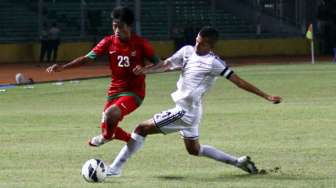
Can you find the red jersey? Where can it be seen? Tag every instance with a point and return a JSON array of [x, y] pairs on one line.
[[123, 57]]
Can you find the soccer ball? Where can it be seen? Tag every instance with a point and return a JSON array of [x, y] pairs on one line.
[[94, 170]]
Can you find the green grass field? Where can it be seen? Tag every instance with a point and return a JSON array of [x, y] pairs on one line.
[[44, 130]]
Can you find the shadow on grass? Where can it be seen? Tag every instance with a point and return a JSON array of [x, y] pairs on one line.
[[293, 177], [221, 179], [231, 177], [270, 175], [171, 178]]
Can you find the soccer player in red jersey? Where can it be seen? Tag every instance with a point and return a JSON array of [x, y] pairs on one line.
[[127, 53]]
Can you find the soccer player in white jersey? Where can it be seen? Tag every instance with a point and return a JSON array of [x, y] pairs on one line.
[[199, 68]]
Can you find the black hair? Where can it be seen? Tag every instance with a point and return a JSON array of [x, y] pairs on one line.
[[123, 14], [210, 33]]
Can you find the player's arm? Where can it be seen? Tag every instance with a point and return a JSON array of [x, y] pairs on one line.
[[98, 50], [173, 63], [74, 63], [161, 66], [241, 83], [157, 65]]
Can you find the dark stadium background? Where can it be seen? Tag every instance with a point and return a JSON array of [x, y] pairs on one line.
[[248, 28]]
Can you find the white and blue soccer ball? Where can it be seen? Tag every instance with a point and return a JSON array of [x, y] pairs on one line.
[[94, 170]]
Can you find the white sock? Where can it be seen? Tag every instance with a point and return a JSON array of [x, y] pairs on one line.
[[216, 154], [127, 151]]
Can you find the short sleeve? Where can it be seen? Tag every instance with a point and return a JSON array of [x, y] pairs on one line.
[[219, 68], [101, 48], [177, 58]]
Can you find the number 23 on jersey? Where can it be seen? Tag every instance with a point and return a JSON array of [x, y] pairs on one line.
[[123, 61]]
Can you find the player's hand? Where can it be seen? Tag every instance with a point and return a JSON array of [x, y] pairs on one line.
[[55, 68], [274, 99], [138, 70]]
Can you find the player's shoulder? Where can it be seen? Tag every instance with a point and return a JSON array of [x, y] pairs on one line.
[[104, 42], [138, 39], [107, 39], [215, 59], [188, 48]]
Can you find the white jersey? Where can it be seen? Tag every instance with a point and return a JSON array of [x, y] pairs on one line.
[[198, 74]]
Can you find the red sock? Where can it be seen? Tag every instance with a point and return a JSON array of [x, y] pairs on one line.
[[107, 131], [122, 135], [115, 133]]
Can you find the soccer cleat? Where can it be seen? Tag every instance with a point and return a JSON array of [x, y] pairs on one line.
[[113, 173], [97, 141], [245, 163]]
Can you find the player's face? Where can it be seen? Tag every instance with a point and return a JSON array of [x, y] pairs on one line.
[[202, 45], [121, 30]]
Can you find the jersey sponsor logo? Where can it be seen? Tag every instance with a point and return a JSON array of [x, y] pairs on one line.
[[112, 52]]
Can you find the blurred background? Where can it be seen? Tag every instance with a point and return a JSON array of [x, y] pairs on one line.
[[23, 20], [247, 27]]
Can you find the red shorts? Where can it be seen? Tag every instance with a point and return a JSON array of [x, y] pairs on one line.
[[126, 104]]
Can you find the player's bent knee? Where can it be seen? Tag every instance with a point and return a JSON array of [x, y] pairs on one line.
[[112, 114]]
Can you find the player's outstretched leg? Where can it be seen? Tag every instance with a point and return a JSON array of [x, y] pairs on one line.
[[194, 148]]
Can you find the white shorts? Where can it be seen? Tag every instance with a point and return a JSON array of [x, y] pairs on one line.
[[170, 121]]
